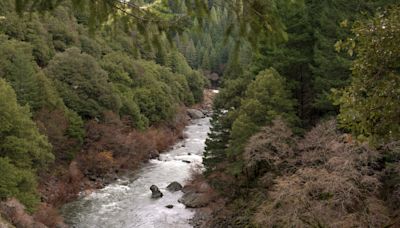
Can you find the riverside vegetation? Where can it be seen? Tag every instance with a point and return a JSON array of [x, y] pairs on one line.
[[306, 126], [76, 108]]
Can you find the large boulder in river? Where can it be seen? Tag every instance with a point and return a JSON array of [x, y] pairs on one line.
[[195, 114], [174, 186], [155, 192], [194, 199]]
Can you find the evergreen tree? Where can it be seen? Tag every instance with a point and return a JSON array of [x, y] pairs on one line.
[[23, 149], [266, 98], [216, 143], [82, 83], [17, 66]]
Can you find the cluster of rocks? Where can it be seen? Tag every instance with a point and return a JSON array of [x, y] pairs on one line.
[[192, 197], [173, 187]]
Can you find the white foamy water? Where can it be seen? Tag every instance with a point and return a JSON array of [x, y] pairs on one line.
[[127, 202]]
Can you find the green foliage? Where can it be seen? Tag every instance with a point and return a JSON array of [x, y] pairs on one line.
[[250, 105], [155, 103], [29, 29], [265, 99], [177, 62], [18, 183], [82, 83], [369, 106], [123, 75], [232, 91], [175, 84], [150, 92], [216, 143], [17, 66], [308, 60], [75, 128], [22, 149], [196, 81]]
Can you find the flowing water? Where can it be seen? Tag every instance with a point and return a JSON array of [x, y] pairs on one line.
[[127, 203]]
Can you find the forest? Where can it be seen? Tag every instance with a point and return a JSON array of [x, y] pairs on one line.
[[305, 130]]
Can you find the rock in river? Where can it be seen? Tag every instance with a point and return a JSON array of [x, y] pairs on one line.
[[194, 200], [155, 192], [195, 114], [174, 186]]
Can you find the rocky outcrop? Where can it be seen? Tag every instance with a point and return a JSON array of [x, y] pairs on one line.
[[174, 186], [155, 192], [194, 199], [195, 114]]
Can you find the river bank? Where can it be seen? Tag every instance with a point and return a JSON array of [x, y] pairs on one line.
[[127, 202], [111, 150]]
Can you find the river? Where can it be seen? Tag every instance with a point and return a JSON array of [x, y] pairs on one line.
[[127, 203]]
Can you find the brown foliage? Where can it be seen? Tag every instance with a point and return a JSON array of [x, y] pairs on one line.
[[13, 211], [269, 150], [129, 147], [110, 146], [61, 184], [54, 124], [49, 216], [320, 198], [74, 173], [99, 163], [325, 179], [335, 185]]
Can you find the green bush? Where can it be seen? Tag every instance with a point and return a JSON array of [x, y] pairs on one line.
[[369, 107], [155, 103], [18, 183], [18, 67], [265, 99], [82, 83], [22, 149]]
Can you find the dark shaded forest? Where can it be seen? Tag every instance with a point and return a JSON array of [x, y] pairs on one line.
[[305, 127]]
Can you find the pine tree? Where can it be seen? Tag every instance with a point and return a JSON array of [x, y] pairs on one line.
[[266, 98], [23, 149], [216, 143], [18, 67]]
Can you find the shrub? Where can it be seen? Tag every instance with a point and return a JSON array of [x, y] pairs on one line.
[[155, 103], [48, 215], [369, 106], [332, 182], [319, 198], [17, 66], [22, 149], [270, 150], [64, 130], [266, 98], [104, 162], [18, 183], [82, 83]]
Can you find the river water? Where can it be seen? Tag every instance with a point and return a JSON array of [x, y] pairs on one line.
[[127, 203]]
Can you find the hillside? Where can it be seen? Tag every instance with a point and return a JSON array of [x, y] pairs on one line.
[[305, 128]]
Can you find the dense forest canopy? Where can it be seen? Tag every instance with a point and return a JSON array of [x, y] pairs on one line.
[[60, 76], [307, 112]]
